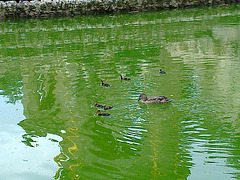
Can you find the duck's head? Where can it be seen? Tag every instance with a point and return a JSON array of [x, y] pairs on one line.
[[121, 77], [142, 97], [101, 81], [98, 112], [94, 102]]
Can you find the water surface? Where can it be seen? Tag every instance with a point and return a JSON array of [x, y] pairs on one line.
[[50, 72]]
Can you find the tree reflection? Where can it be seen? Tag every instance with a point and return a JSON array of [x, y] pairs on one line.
[[11, 84]]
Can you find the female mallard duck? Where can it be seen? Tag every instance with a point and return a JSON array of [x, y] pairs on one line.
[[104, 84], [124, 78], [154, 100], [102, 114], [162, 72]]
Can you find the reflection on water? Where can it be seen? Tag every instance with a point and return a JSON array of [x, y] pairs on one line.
[[55, 66]]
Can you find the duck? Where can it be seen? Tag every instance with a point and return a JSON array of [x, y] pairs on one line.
[[162, 72], [102, 106], [99, 113], [107, 107], [154, 100], [104, 84], [98, 105], [125, 78]]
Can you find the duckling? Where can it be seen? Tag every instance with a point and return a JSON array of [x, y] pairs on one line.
[[125, 78], [162, 72], [107, 107], [154, 100], [98, 105], [104, 84], [102, 114], [102, 106]]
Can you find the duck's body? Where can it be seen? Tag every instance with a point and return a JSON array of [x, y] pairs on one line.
[[162, 72], [125, 78], [154, 100], [102, 114], [104, 84]]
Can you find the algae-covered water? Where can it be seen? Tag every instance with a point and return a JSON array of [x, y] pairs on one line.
[[50, 72]]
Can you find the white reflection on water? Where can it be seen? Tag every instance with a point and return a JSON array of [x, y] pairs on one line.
[[205, 165], [17, 160], [225, 33]]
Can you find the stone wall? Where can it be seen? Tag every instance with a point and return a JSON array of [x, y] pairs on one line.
[[48, 8]]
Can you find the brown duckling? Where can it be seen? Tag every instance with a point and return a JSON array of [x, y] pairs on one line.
[[102, 114], [162, 72], [107, 107], [104, 84], [154, 100], [98, 105], [125, 78], [102, 106]]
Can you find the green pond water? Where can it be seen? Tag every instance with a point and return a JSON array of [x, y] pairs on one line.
[[50, 72]]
